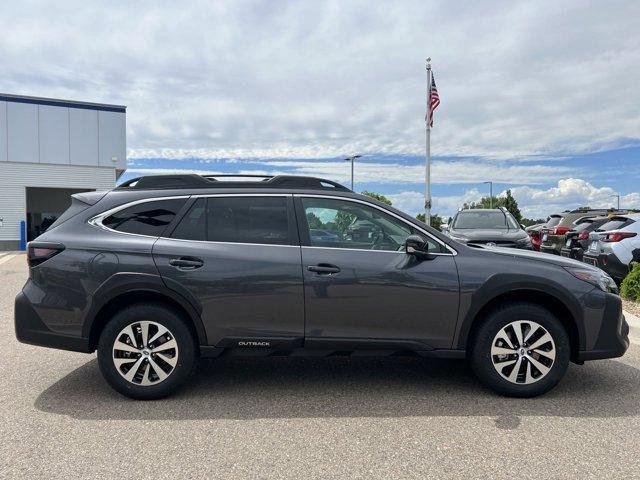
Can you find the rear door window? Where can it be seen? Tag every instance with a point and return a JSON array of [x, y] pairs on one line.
[[259, 220], [148, 218], [193, 225]]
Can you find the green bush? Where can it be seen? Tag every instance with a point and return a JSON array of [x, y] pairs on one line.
[[630, 288]]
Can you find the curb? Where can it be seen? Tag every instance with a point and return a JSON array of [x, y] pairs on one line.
[[634, 326]]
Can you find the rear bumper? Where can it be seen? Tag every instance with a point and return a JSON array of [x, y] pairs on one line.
[[607, 262], [31, 329], [575, 253], [547, 248], [613, 337]]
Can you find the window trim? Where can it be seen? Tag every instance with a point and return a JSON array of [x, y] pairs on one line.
[[451, 253], [96, 220]]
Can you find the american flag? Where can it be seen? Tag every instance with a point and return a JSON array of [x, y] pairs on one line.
[[435, 100]]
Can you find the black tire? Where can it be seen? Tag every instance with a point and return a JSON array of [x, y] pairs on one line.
[[168, 318], [481, 343]]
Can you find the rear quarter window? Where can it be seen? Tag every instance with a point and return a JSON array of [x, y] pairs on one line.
[[148, 218]]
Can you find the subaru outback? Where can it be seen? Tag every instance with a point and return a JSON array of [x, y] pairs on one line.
[[164, 270]]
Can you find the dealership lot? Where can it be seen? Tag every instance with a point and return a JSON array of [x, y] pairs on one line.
[[359, 417]]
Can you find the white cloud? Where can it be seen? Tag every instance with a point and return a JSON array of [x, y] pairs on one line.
[[569, 193], [442, 172], [325, 79], [412, 202]]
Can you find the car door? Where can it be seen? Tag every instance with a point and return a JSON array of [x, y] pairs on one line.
[[238, 257], [361, 288]]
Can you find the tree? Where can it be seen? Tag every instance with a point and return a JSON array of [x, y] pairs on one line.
[[527, 222], [376, 196], [314, 221], [508, 201], [342, 222], [436, 220], [511, 204]]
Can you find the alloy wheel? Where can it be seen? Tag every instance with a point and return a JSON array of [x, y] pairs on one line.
[[523, 352], [145, 353]]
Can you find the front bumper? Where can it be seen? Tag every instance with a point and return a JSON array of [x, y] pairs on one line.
[[607, 262], [31, 329], [612, 340]]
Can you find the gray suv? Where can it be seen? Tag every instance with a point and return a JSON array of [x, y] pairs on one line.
[[164, 270], [488, 226]]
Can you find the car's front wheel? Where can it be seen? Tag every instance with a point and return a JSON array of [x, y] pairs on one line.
[[146, 351], [520, 350]]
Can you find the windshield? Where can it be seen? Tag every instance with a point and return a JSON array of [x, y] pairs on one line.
[[584, 225], [482, 219], [615, 224]]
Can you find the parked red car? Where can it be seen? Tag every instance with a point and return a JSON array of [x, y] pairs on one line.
[[535, 235]]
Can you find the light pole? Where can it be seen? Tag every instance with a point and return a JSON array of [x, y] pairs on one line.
[[490, 193], [351, 159], [618, 197]]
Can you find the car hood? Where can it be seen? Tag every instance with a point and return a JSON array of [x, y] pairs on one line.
[[538, 256], [490, 235]]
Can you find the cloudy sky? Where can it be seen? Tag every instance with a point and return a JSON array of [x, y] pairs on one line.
[[541, 97]]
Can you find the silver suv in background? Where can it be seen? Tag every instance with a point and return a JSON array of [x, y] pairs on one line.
[[488, 226], [615, 245]]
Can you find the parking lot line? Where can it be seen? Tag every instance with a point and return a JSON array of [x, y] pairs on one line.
[[6, 257]]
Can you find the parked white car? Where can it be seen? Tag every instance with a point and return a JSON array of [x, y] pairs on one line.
[[615, 245]]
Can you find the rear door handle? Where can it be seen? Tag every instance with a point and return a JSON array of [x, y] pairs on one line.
[[186, 263], [324, 269]]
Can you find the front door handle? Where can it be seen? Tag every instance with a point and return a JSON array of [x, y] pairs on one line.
[[324, 269], [186, 263]]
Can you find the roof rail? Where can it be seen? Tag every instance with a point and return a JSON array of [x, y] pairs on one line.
[[211, 181]]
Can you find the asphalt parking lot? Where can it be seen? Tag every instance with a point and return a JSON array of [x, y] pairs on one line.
[[297, 418]]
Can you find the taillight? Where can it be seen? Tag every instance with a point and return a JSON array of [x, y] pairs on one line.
[[40, 252], [583, 236], [560, 230], [616, 237]]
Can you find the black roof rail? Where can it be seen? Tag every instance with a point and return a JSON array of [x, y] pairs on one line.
[[210, 181]]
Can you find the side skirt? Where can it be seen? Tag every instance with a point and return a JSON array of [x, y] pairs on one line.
[[323, 347]]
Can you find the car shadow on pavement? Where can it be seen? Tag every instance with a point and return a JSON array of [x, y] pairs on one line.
[[233, 388]]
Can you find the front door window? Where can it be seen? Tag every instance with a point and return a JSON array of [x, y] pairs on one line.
[[344, 224]]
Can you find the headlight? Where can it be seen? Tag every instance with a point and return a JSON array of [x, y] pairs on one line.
[[458, 238], [597, 278], [524, 241]]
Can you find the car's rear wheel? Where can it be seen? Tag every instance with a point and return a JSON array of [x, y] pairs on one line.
[[520, 350], [146, 351]]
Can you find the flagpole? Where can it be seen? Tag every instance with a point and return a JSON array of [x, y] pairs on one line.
[[427, 177]]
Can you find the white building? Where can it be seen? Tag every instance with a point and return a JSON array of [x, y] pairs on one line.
[[50, 149]]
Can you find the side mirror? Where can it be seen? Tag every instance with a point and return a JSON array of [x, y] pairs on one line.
[[414, 245], [444, 227], [522, 226]]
